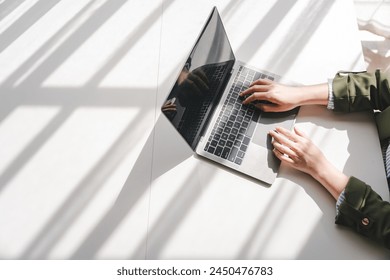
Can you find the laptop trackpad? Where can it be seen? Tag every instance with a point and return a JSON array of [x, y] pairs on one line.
[[269, 121]]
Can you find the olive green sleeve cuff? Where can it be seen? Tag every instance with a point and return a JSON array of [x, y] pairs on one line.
[[364, 211], [355, 197], [352, 91]]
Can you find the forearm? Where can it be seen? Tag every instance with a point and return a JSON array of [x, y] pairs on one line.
[[313, 94], [330, 177]]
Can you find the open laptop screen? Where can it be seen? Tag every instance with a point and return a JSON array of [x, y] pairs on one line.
[[201, 81]]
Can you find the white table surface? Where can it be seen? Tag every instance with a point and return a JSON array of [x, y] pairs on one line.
[[89, 169]]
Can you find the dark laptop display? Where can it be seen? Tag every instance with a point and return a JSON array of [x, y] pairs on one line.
[[201, 82]]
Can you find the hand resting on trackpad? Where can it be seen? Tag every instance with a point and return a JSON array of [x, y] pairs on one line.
[[269, 121]]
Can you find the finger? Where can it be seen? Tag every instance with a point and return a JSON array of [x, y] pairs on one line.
[[257, 96], [261, 82], [287, 133], [169, 109], [254, 89], [282, 157], [282, 139], [170, 106], [284, 150]]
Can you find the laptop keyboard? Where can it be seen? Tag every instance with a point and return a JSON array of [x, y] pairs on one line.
[[236, 122]]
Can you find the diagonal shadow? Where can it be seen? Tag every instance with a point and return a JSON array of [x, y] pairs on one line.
[[84, 192], [170, 218], [24, 22], [8, 7], [229, 8], [137, 183], [264, 28], [263, 219], [131, 40], [85, 31], [67, 99], [302, 30], [29, 151], [50, 43]]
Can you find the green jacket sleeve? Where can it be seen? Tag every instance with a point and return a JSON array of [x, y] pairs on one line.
[[361, 91], [364, 211]]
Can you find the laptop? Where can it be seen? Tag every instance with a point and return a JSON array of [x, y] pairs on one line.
[[204, 106]]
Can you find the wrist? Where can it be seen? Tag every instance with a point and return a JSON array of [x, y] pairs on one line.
[[313, 95], [331, 178]]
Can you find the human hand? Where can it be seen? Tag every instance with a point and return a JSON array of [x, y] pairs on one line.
[[296, 150], [272, 97], [170, 108]]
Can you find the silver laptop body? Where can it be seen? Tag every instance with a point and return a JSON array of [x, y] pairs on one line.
[[205, 108]]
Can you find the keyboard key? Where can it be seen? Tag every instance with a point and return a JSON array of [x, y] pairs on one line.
[[246, 141], [218, 151], [251, 129], [229, 144], [222, 142], [243, 147], [224, 136], [233, 154], [256, 116], [232, 137], [238, 161], [240, 154], [225, 153], [211, 150]]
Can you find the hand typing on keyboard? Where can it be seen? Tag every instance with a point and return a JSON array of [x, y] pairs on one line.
[[273, 97]]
